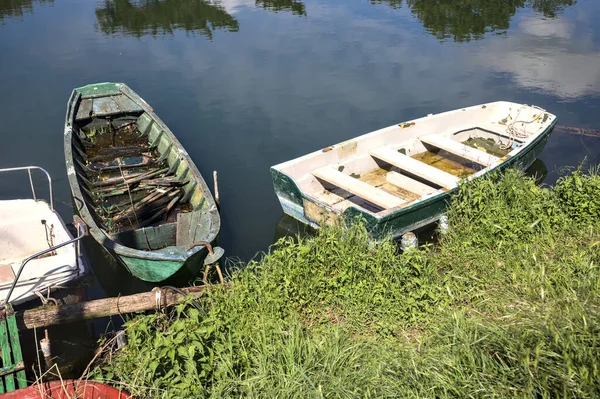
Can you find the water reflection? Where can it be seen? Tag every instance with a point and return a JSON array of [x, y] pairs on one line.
[[17, 8], [155, 17], [550, 8], [296, 7], [558, 56], [464, 20], [161, 17]]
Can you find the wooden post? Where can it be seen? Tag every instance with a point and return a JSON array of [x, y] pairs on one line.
[[217, 199], [64, 314]]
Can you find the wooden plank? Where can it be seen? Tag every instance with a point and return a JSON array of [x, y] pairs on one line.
[[105, 106], [85, 110], [409, 184], [460, 149], [6, 358], [125, 104], [415, 167], [15, 343], [158, 237], [189, 228], [358, 188]]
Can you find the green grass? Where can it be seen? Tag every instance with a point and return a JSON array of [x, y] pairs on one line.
[[505, 306]]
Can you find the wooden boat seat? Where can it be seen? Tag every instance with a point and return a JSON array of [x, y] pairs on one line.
[[417, 168], [358, 188], [409, 184], [459, 149], [106, 106]]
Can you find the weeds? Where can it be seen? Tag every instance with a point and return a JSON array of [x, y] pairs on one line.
[[505, 306]]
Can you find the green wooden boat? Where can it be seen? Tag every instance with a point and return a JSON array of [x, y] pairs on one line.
[[400, 178], [135, 185]]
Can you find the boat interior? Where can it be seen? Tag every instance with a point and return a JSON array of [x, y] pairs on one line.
[[399, 165], [136, 179]]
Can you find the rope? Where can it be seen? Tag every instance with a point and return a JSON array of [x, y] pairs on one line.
[[512, 132], [157, 298]]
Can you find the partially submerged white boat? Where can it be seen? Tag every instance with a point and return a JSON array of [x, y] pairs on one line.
[[38, 254], [400, 178]]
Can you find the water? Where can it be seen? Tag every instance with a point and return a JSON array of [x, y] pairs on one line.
[[246, 84]]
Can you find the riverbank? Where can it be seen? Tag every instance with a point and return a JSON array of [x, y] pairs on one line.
[[506, 305]]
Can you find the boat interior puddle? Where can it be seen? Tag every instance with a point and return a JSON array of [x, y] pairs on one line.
[[447, 162], [377, 178]]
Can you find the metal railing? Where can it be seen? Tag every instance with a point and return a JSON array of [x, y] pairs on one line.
[[28, 169], [82, 232]]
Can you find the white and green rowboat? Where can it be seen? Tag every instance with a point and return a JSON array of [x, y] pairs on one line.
[[400, 178]]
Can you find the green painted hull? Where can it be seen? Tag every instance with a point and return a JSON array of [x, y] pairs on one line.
[[161, 270], [407, 219], [168, 259]]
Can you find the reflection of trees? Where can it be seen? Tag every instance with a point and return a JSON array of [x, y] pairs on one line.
[[296, 7], [550, 7], [163, 17], [16, 8], [464, 20]]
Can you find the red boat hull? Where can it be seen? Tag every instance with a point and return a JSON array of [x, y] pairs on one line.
[[67, 389]]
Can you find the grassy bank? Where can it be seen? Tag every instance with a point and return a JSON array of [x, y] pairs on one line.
[[506, 305]]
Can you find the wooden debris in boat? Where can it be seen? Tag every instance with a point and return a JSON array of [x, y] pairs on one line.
[[104, 154], [156, 198], [173, 202], [118, 206], [165, 181], [124, 125], [118, 182], [176, 197], [104, 167], [114, 180], [120, 191]]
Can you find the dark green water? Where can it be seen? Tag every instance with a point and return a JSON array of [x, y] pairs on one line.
[[246, 84]]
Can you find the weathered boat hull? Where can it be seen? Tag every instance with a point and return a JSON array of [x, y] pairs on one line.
[[146, 263], [310, 211], [161, 270]]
